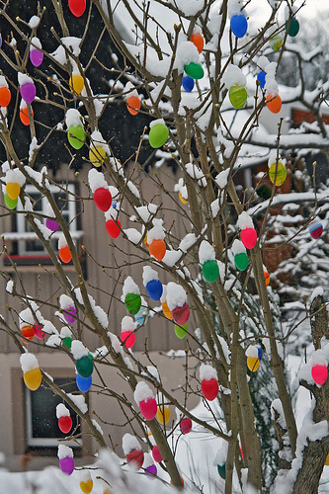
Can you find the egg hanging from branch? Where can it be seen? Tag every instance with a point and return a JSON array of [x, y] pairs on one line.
[[131, 296], [77, 7], [31, 372], [132, 451], [64, 418], [83, 362], [66, 461], [27, 88], [210, 269], [128, 326], [277, 170], [209, 383], [144, 398], [36, 55], [75, 131], [5, 94], [152, 283], [177, 303], [158, 134]]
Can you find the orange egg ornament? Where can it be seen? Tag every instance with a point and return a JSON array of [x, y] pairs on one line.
[[24, 116], [198, 40], [133, 105], [65, 254], [274, 102], [5, 96], [157, 249], [166, 311]]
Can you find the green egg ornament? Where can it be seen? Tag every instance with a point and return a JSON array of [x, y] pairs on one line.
[[293, 27], [194, 70], [158, 135], [10, 203], [133, 303], [238, 96], [221, 471], [181, 331], [67, 342], [241, 261], [210, 271], [76, 136], [84, 366]]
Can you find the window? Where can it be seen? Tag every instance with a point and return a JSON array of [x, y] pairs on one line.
[[27, 243], [42, 429]]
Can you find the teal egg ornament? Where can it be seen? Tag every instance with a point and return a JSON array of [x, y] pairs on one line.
[[238, 96], [293, 27], [84, 366], [221, 471]]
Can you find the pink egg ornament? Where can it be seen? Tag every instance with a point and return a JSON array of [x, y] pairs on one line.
[[181, 314], [148, 408], [67, 465], [156, 454], [248, 237], [319, 374]]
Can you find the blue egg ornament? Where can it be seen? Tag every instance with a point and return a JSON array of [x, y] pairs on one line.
[[188, 83], [84, 384], [239, 25], [154, 289], [142, 316], [261, 78]]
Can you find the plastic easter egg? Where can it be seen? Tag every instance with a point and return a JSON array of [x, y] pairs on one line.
[[84, 366], [276, 42], [148, 408], [128, 338], [76, 136], [163, 414], [221, 471], [70, 314], [188, 83], [184, 201], [267, 278], [166, 310], [24, 116], [133, 303], [97, 154], [194, 70], [156, 454], [133, 105], [185, 425], [281, 173], [67, 342], [238, 96], [293, 27], [273, 103], [158, 135], [65, 254], [198, 40], [67, 465], [113, 228], [252, 363], [38, 333], [52, 225], [5, 97], [142, 316], [210, 271], [248, 237], [181, 314], [10, 203], [32, 379], [84, 384], [154, 289], [87, 486], [151, 472], [36, 57], [76, 83], [209, 388], [13, 190], [77, 7], [135, 459], [157, 249], [260, 353], [181, 331], [65, 424], [315, 228], [261, 77], [28, 332], [327, 461], [239, 25], [319, 374], [28, 92]]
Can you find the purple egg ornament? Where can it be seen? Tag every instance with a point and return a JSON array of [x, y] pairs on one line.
[[28, 92], [70, 314], [151, 471], [52, 225], [36, 57], [67, 465]]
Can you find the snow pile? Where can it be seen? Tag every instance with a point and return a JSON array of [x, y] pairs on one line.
[[28, 362], [129, 286], [233, 76], [96, 180], [78, 350], [64, 452], [142, 392], [129, 443], [149, 274], [176, 296], [206, 252], [207, 372], [245, 221], [157, 232], [62, 411], [238, 247]]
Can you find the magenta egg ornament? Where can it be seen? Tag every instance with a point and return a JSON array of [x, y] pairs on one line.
[[38, 332], [52, 225], [36, 57], [185, 425], [28, 92], [151, 472], [181, 314], [319, 374], [70, 314], [148, 408], [67, 465], [156, 454], [248, 237]]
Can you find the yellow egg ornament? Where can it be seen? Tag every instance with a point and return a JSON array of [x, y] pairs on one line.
[[87, 486], [13, 190], [76, 82], [252, 363], [327, 461], [97, 155], [163, 414], [277, 170], [254, 355], [182, 199], [31, 372]]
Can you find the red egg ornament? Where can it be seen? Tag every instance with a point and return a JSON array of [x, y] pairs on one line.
[[103, 199], [186, 425], [148, 408], [156, 454], [128, 338], [113, 228], [65, 424], [135, 459], [248, 237], [319, 374], [210, 389], [181, 314], [133, 105], [77, 7]]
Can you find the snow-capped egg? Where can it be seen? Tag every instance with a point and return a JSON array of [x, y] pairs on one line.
[[253, 359], [261, 77], [38, 332], [143, 396], [64, 252], [36, 55], [64, 418], [194, 70], [97, 154], [31, 372], [152, 283], [86, 482], [131, 296], [182, 198], [315, 228], [210, 271], [248, 237], [84, 366], [83, 384], [76, 136], [241, 259], [319, 369], [163, 414], [128, 327], [28, 91], [276, 42], [209, 383], [198, 40], [5, 94], [142, 315], [13, 189], [273, 102], [237, 96], [66, 461], [24, 113], [158, 134], [77, 7], [28, 332], [76, 82], [157, 249], [10, 203], [185, 425], [188, 84], [181, 314], [181, 330], [133, 104], [267, 277], [135, 459], [239, 25]]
